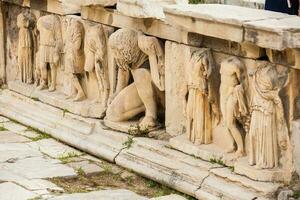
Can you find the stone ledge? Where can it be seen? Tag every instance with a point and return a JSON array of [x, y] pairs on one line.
[[231, 22], [52, 6], [85, 108]]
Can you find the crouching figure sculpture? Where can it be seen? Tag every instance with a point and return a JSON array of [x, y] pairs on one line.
[[131, 50]]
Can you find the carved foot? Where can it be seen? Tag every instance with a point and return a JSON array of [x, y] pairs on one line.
[[70, 96], [148, 122], [79, 97], [42, 87], [239, 154], [230, 150], [198, 142], [51, 88]]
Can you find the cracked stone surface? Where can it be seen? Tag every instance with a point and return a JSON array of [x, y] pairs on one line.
[[27, 166]]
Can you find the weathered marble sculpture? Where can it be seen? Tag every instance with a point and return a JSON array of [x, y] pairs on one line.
[[74, 56], [233, 100], [201, 102], [25, 49], [268, 128], [96, 60], [144, 94], [50, 45]]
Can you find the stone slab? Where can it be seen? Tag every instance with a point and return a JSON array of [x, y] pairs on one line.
[[3, 119], [270, 175], [152, 27], [102, 195], [39, 168], [170, 197], [274, 33], [17, 151], [85, 108], [39, 184], [264, 188], [87, 167], [10, 137], [152, 159], [52, 6], [144, 8], [176, 58], [11, 191], [222, 189], [208, 152], [220, 21], [54, 148], [14, 127]]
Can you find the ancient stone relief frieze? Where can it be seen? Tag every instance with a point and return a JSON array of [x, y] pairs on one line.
[[74, 57], [25, 48], [50, 48], [131, 50], [201, 108], [97, 61]]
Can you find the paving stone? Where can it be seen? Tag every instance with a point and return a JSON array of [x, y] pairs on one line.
[[39, 184], [11, 191], [7, 175], [17, 151], [29, 134], [170, 197], [55, 149], [39, 167], [262, 187], [14, 127], [3, 119], [86, 166], [226, 190], [91, 158], [10, 137], [102, 195]]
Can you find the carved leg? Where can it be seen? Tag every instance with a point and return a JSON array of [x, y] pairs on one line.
[[53, 77], [232, 126], [100, 82], [143, 82], [125, 105], [80, 94], [44, 76]]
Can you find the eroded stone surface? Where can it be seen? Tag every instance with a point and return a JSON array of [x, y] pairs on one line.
[[55, 149], [58, 99], [9, 137], [11, 191], [39, 167], [103, 195], [144, 8], [86, 167]]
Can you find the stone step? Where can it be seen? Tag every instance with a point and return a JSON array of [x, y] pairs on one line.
[[103, 143]]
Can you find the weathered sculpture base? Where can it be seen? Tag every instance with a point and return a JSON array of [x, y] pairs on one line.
[[130, 127], [84, 108], [210, 152], [215, 154], [273, 175], [151, 158]]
